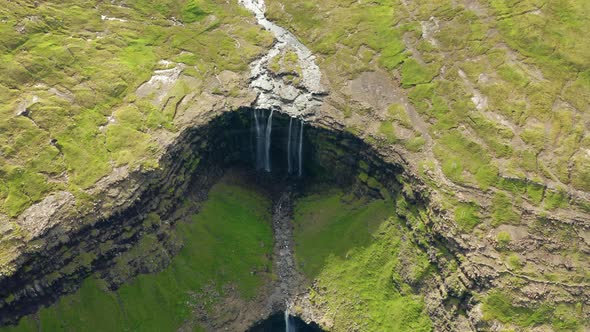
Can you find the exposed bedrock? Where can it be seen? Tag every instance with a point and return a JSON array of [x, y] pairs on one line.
[[125, 227], [70, 245], [128, 230], [143, 204], [287, 77]]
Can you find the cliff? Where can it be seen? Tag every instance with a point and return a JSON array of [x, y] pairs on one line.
[[460, 109]]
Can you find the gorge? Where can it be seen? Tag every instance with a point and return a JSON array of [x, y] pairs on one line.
[[222, 145], [267, 166]]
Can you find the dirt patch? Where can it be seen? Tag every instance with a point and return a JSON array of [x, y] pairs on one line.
[[374, 89]]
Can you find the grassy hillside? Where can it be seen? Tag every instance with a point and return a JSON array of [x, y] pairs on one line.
[[228, 243], [353, 249], [485, 89], [70, 70]]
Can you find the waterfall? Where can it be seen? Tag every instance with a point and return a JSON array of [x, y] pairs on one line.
[[263, 139], [267, 141], [295, 148], [263, 142], [293, 154], [258, 141], [288, 326], [300, 157], [289, 163]]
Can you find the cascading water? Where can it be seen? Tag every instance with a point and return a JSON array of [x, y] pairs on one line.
[[259, 140], [289, 163], [303, 100], [288, 324], [263, 127], [300, 170], [293, 152], [263, 139], [267, 143], [295, 148]]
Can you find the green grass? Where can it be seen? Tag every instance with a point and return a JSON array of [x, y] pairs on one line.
[[555, 199], [535, 192], [514, 262], [502, 211], [331, 223], [96, 66], [500, 306], [398, 113], [386, 128], [533, 61], [365, 291], [461, 156], [376, 38], [354, 250], [414, 73], [228, 242], [286, 65], [467, 216], [192, 11], [415, 144], [503, 239]]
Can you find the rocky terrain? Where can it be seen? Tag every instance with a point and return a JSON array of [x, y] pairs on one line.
[[473, 116]]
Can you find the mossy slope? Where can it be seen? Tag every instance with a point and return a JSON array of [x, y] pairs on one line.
[[500, 86], [69, 113], [228, 243], [352, 248]]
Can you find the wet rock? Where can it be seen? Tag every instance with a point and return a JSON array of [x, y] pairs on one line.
[[303, 100]]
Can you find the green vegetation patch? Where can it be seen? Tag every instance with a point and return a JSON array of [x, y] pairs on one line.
[[193, 11], [503, 238], [326, 28], [354, 249], [502, 211], [331, 223], [461, 156], [228, 242], [415, 144], [364, 290], [467, 216], [499, 305], [530, 80], [68, 66], [556, 199], [414, 73], [386, 128]]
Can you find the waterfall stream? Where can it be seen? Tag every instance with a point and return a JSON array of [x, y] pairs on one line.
[[289, 163], [300, 157], [295, 148], [288, 327], [263, 133], [259, 139], [302, 101], [267, 143]]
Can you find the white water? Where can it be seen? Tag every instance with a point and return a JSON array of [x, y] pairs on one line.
[[259, 141], [273, 92], [267, 141], [300, 170], [295, 147], [290, 166], [288, 325]]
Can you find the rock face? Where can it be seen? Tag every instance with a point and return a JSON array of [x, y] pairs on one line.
[[289, 279], [303, 99], [71, 246], [65, 245]]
